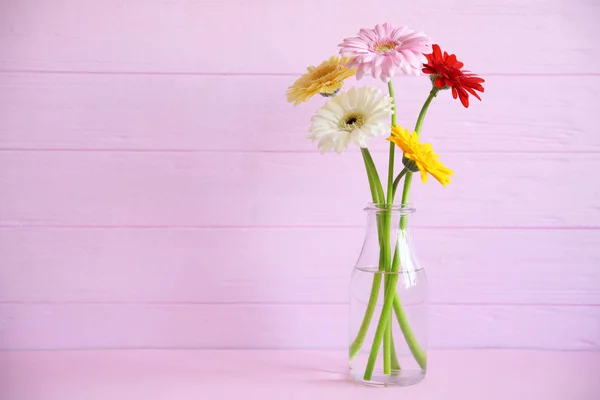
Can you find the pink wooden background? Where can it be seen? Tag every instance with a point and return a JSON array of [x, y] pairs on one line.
[[156, 191]]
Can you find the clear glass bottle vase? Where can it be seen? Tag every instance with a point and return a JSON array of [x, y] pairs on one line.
[[388, 303]]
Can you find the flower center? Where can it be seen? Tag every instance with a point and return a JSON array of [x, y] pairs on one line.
[[352, 121], [385, 46], [322, 71]]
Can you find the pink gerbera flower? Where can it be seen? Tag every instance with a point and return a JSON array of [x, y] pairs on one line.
[[385, 48]]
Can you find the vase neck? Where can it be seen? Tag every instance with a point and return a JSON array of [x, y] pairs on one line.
[[388, 231], [394, 216], [388, 224]]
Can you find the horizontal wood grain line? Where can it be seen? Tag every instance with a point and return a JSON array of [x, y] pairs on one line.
[[241, 151], [246, 114], [170, 73], [290, 74], [297, 226], [284, 327], [274, 303], [289, 266]]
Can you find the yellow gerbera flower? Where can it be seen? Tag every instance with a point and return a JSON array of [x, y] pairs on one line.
[[404, 139], [326, 79], [420, 156]]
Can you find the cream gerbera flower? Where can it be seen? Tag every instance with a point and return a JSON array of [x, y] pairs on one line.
[[420, 156], [353, 116], [326, 79]]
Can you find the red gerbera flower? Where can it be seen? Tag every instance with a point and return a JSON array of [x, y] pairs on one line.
[[447, 73]]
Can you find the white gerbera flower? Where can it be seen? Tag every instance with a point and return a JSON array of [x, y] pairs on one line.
[[352, 116]]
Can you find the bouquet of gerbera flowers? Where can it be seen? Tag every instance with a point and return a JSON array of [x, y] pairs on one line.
[[359, 115]]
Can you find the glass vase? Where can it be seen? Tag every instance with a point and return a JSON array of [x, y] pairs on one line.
[[388, 303]]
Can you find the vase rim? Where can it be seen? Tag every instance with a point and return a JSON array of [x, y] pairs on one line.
[[405, 208]]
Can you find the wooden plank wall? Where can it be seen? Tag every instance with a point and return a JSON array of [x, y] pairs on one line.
[[156, 190]]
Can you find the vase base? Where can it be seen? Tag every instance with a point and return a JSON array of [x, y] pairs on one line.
[[398, 378]]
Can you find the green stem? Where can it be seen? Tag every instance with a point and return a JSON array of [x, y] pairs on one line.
[[386, 252], [388, 332], [385, 317], [387, 341], [397, 181], [405, 194], [392, 147], [378, 198], [421, 118], [409, 336], [390, 295], [373, 175], [407, 181], [413, 345], [391, 90], [366, 322], [395, 362]]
